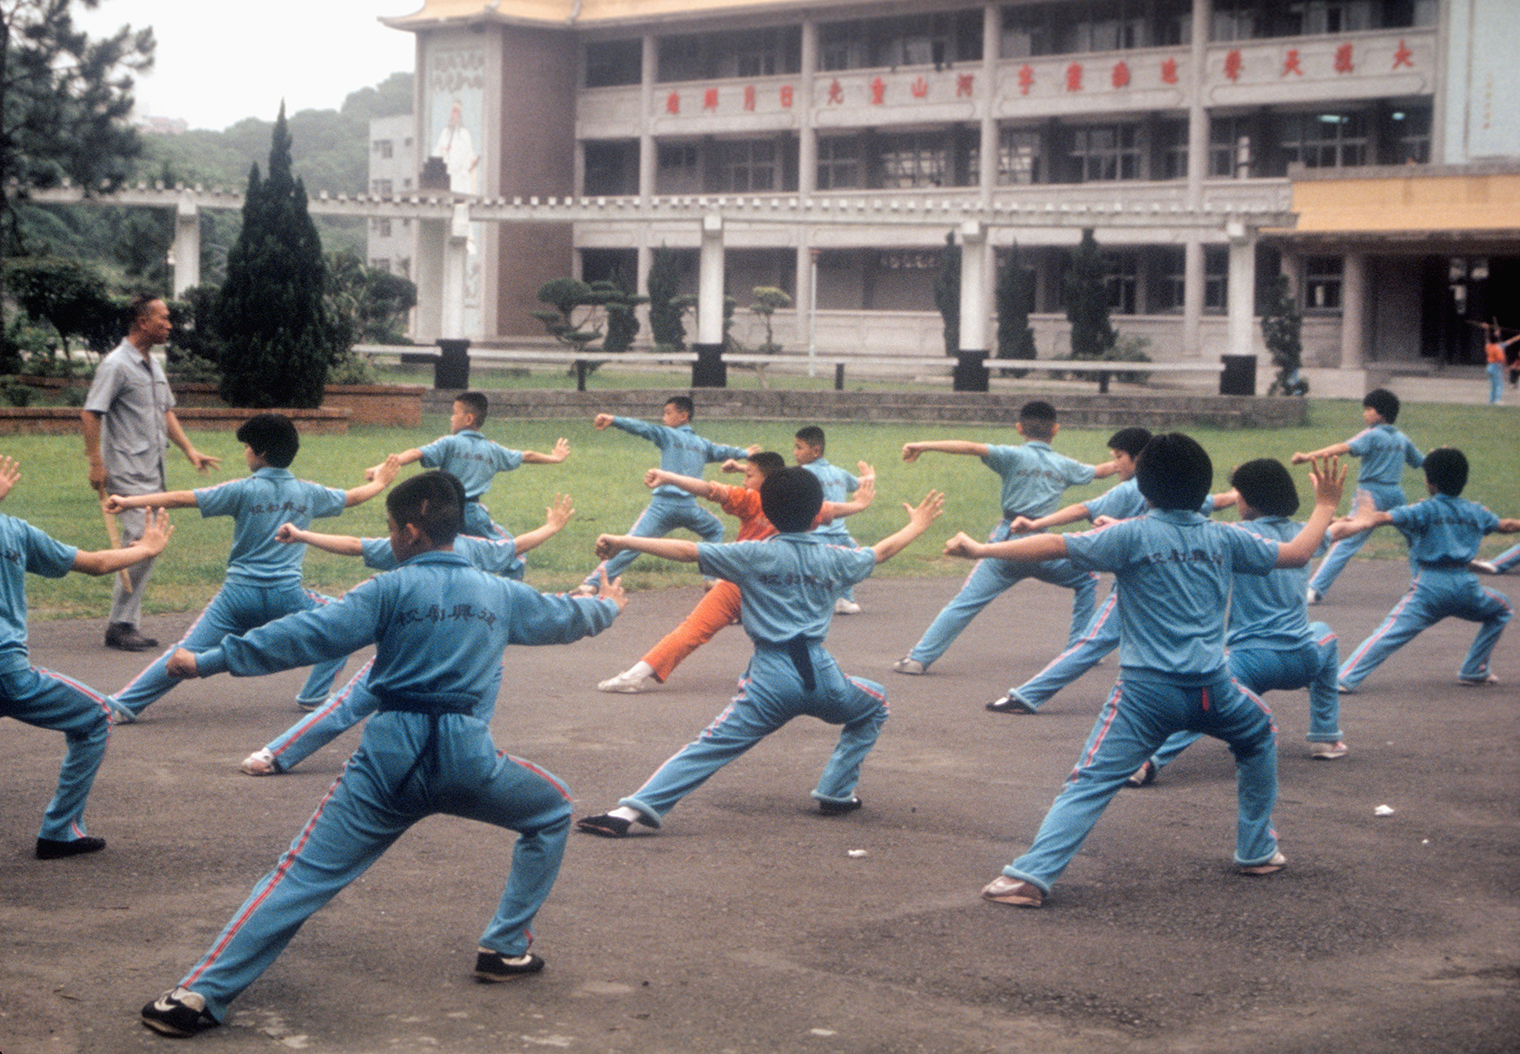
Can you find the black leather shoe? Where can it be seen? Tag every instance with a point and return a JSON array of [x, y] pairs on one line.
[[54, 849], [123, 636]]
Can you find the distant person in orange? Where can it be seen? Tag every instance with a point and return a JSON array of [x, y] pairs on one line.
[[1493, 348]]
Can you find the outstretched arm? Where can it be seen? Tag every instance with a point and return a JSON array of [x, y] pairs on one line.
[[173, 499], [1034, 547], [406, 457], [943, 446], [1329, 479], [554, 457], [658, 477], [679, 549], [379, 477], [919, 518], [341, 544], [10, 472], [103, 561], [555, 518], [865, 494], [1334, 450], [1070, 514]]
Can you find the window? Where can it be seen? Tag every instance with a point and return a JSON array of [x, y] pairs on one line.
[[383, 228], [1216, 279], [1106, 152], [910, 40], [1122, 282], [748, 53], [1019, 157], [383, 149], [381, 187], [1229, 145], [1325, 140], [838, 162], [914, 159], [1322, 283], [1255, 19], [1406, 135], [1096, 25], [1332, 16], [678, 169], [1171, 150], [611, 63], [681, 59], [612, 167], [748, 165], [380, 263]]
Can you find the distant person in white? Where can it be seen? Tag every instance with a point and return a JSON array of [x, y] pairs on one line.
[[458, 152]]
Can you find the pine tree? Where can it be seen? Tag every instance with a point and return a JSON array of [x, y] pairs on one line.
[[276, 339], [1092, 336], [1015, 296], [665, 307], [947, 294], [1281, 325]]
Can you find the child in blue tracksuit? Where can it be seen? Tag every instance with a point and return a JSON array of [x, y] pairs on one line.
[[683, 453], [45, 699], [474, 460], [263, 577], [439, 627], [1175, 567], [1384, 451], [787, 586], [354, 701], [807, 450], [1444, 533], [1272, 644], [1034, 477]]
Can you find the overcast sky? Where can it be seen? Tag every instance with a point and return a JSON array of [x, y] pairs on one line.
[[217, 63]]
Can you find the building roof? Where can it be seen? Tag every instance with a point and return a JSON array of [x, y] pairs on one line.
[[581, 13], [1412, 202]]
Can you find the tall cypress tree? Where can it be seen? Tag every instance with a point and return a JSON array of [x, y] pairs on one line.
[[947, 294], [1015, 295], [277, 341], [1092, 335]]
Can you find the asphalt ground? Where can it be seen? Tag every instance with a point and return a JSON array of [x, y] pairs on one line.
[[752, 923]]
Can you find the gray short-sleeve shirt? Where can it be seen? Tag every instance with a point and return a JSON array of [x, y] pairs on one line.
[[131, 397]]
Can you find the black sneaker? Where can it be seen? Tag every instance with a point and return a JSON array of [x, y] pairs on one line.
[[123, 636], [838, 808], [57, 849], [178, 1012], [494, 967]]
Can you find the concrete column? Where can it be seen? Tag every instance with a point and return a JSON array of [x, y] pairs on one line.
[[971, 367], [1192, 299], [427, 272], [648, 157], [709, 370], [456, 260], [1353, 311], [992, 38], [807, 182], [187, 246], [1242, 291]]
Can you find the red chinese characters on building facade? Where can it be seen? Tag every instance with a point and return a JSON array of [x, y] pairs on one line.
[[919, 88], [965, 85], [1233, 64], [1074, 77], [710, 99], [878, 91], [1291, 63], [1343, 63], [749, 96], [1168, 71], [786, 96], [1120, 75], [1026, 78], [836, 91], [673, 102], [1403, 56]]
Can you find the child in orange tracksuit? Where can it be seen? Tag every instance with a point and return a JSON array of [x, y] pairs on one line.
[[720, 606]]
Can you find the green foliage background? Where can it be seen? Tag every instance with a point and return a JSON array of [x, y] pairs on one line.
[[604, 475]]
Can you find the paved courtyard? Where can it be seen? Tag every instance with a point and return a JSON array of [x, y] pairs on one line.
[[751, 923]]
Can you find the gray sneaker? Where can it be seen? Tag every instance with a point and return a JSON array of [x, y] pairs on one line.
[[910, 666]]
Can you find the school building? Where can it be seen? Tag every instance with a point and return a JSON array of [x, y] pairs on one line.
[[1369, 149]]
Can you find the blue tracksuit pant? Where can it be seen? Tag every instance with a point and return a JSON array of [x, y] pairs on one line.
[[366, 810], [664, 514], [1433, 595], [1384, 496], [236, 608], [1263, 670], [1099, 639], [45, 699], [991, 578], [1137, 718], [771, 693]]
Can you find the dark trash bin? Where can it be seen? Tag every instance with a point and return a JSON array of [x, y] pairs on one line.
[[1239, 376]]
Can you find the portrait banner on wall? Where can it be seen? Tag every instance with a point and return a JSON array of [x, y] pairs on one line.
[[454, 113]]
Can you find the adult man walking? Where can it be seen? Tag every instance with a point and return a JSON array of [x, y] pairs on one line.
[[128, 421]]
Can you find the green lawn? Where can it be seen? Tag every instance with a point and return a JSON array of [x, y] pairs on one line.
[[604, 475]]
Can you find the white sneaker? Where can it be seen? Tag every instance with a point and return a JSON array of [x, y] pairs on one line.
[[1328, 751], [637, 678], [583, 590], [842, 606], [909, 666], [260, 763], [1313, 596], [1485, 566]]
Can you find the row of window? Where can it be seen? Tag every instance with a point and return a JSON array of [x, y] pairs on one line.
[[1260, 144], [947, 38]]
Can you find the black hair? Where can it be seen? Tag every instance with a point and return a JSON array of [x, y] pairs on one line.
[[767, 461], [812, 435], [1174, 472], [272, 437], [1130, 440], [683, 404], [1038, 419], [476, 404], [137, 307], [431, 501], [1384, 402], [791, 498], [1446, 470], [1266, 485]]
